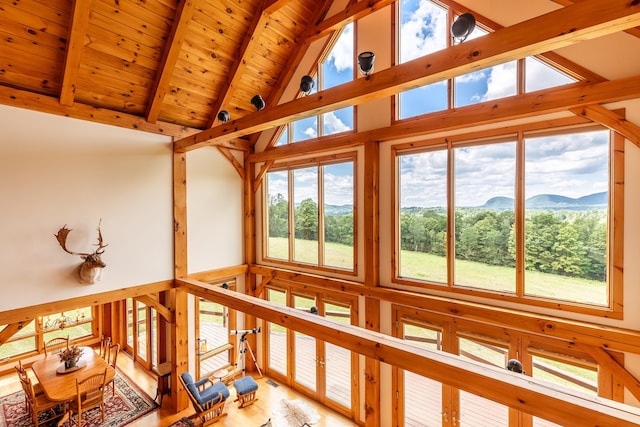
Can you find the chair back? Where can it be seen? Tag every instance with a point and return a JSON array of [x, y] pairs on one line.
[[112, 355], [90, 391], [27, 387], [55, 343], [104, 347]]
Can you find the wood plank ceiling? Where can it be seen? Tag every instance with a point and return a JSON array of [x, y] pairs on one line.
[[170, 61], [170, 66]]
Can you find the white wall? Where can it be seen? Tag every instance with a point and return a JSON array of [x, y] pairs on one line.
[[56, 171]]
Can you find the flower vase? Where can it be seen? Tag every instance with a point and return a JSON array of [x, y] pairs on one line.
[[68, 364]]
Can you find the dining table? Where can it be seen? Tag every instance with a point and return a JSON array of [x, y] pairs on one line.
[[58, 383]]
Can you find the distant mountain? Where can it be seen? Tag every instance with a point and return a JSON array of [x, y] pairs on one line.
[[551, 202], [338, 209]]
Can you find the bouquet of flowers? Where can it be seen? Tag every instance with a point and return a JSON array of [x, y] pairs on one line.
[[70, 356]]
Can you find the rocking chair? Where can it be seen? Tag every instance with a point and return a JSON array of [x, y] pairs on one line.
[[207, 401]]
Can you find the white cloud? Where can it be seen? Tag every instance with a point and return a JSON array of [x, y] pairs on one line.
[[333, 124], [342, 52], [502, 81], [310, 132], [424, 31]]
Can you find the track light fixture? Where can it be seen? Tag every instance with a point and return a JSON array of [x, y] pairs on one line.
[[514, 365], [462, 27], [306, 85], [257, 102], [365, 62], [223, 116]]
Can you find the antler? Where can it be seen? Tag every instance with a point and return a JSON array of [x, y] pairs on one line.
[[62, 239], [100, 246]]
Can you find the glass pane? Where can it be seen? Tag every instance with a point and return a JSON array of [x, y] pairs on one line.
[[338, 215], [539, 75], [141, 330], [305, 361], [277, 337], [17, 347], [278, 215], [129, 304], [566, 216], [422, 396], [305, 129], [566, 374], [423, 216], [423, 29], [338, 360], [337, 121], [475, 410], [492, 83], [484, 216], [305, 199], [423, 100], [338, 67], [154, 337], [213, 324], [284, 137]]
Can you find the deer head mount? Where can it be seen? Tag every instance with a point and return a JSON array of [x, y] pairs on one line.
[[90, 270]]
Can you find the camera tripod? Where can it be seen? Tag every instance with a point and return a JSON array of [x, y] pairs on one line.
[[242, 350]]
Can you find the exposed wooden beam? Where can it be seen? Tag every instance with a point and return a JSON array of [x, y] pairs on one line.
[[611, 120], [29, 313], [263, 171], [220, 273], [528, 323], [75, 43], [234, 162], [352, 12], [250, 42], [533, 396], [573, 24], [47, 104], [607, 360], [161, 309], [10, 330], [183, 17], [527, 105]]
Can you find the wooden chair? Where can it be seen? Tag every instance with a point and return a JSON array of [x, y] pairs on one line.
[[207, 401], [55, 343], [40, 403], [112, 359], [89, 394], [24, 376], [104, 347]]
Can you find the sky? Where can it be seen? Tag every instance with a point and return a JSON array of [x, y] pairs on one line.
[[423, 30]]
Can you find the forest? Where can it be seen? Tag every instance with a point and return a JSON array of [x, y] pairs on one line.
[[564, 242]]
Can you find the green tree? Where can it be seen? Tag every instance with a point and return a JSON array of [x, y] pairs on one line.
[[278, 216], [306, 220]]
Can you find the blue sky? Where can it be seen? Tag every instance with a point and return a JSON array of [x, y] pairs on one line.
[[424, 30]]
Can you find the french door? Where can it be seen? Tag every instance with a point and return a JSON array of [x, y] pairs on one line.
[[321, 370]]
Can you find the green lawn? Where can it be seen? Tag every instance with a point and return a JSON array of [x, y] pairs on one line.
[[432, 268]]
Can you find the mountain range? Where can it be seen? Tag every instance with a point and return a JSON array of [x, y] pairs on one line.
[[551, 202]]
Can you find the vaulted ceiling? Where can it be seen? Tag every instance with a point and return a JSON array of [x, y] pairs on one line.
[[170, 66]]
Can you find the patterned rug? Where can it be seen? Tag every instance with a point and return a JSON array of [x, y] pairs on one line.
[[183, 422], [129, 404]]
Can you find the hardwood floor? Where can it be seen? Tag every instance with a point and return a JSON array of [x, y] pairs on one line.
[[253, 415]]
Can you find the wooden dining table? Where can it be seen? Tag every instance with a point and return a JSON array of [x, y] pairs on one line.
[[60, 385]]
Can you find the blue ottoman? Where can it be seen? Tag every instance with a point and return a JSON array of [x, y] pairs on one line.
[[246, 388]]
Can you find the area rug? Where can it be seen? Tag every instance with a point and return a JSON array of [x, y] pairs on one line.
[[129, 404], [183, 422]]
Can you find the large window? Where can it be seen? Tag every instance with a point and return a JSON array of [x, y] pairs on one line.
[[424, 29], [530, 215], [310, 215], [75, 324], [335, 69]]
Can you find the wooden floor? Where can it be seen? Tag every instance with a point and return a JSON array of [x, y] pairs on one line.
[[256, 414]]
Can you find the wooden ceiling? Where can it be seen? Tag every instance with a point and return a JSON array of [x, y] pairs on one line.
[[170, 66]]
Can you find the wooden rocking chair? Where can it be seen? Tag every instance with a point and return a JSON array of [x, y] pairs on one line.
[[207, 401]]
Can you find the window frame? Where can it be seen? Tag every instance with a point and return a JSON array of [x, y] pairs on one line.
[[290, 167], [615, 235]]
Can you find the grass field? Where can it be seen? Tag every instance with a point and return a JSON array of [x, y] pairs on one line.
[[422, 266]]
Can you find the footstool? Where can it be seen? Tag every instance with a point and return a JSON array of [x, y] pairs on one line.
[[246, 388]]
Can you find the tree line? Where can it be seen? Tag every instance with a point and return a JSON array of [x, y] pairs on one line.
[[569, 243]]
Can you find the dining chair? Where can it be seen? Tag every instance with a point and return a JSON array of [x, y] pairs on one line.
[[24, 376], [89, 395], [104, 347], [112, 358], [55, 343], [40, 403]]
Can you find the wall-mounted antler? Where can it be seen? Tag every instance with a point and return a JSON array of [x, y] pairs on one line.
[[91, 269]]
